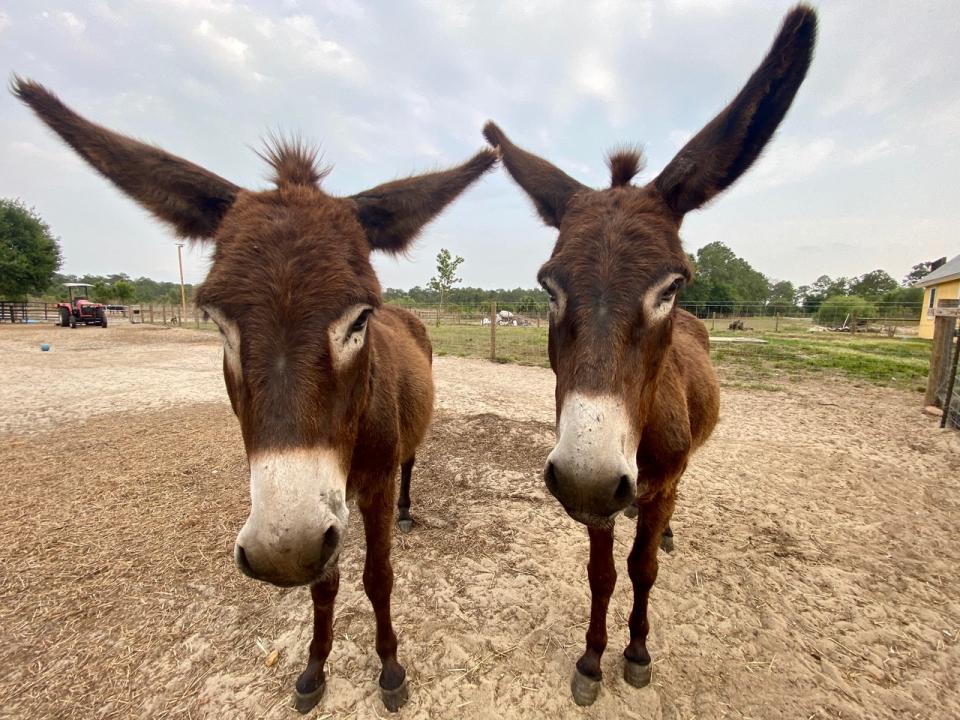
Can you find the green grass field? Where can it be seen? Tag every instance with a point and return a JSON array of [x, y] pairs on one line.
[[895, 362]]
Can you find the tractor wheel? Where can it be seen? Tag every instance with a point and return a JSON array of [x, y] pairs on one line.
[[73, 321], [103, 318], [64, 317]]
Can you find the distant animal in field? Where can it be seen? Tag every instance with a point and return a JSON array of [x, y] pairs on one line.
[[635, 392], [332, 388]]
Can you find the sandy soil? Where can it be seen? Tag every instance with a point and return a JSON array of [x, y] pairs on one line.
[[815, 573]]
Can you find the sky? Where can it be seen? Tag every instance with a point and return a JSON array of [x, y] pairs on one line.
[[863, 173]]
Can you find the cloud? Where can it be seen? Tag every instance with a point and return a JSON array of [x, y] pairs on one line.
[[66, 20], [307, 42], [595, 77], [5, 21], [230, 48]]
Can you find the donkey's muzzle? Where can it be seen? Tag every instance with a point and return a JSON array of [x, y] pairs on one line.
[[287, 565], [591, 498]]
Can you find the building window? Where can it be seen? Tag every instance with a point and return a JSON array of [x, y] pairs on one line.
[[933, 297]]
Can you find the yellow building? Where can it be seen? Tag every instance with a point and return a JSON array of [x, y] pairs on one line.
[[942, 284]]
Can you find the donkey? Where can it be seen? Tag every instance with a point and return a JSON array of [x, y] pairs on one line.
[[333, 389], [636, 393]]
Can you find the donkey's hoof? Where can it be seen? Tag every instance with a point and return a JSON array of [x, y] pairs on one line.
[[405, 525], [585, 690], [666, 543], [305, 702], [395, 699], [631, 511], [636, 674]]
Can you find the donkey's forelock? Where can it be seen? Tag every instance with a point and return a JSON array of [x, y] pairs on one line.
[[294, 161], [625, 163]]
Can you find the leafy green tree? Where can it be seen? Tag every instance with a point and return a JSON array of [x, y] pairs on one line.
[[872, 285], [722, 280], [446, 276], [783, 297], [822, 288], [836, 309], [101, 292], [918, 272], [123, 291], [29, 253]]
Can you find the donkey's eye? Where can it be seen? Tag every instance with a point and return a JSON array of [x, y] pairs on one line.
[[671, 290], [361, 322]]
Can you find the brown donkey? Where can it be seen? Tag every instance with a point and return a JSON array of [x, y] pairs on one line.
[[332, 389], [636, 392]]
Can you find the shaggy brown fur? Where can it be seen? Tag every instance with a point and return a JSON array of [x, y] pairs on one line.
[[287, 263], [613, 246]]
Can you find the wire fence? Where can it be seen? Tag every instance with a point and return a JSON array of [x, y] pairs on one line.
[[507, 333], [750, 343]]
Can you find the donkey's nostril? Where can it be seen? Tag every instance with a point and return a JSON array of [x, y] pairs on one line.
[[243, 563], [331, 543], [550, 477], [625, 490]]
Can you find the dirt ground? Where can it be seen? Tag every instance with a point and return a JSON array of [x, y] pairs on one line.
[[815, 573]]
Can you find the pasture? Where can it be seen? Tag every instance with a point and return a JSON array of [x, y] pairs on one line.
[[815, 573]]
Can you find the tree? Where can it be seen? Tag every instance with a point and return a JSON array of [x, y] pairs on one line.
[[783, 297], [101, 292], [123, 291], [446, 277], [823, 287], [722, 279], [29, 253], [872, 285], [837, 309], [918, 272]]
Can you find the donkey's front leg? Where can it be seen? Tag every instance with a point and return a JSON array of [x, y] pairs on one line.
[[377, 514], [642, 565], [312, 681], [404, 520], [602, 573]]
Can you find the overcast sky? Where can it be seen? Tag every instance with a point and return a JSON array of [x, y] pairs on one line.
[[862, 175]]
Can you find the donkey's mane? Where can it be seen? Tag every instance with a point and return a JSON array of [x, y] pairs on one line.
[[625, 163], [294, 161]]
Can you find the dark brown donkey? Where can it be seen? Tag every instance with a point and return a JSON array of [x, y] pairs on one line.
[[332, 389], [636, 392]]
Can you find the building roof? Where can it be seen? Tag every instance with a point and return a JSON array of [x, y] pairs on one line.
[[950, 270]]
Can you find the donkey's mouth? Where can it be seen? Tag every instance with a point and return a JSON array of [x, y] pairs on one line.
[[599, 522]]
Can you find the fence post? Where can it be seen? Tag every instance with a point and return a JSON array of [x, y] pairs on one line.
[[943, 327], [493, 330], [196, 317], [713, 321], [853, 323], [776, 323], [164, 309]]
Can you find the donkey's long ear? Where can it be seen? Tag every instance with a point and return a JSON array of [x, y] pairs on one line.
[[393, 213], [547, 185], [728, 145], [188, 197]]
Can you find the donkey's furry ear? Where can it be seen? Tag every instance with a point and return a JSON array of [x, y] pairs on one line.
[[547, 185], [720, 153], [186, 196], [393, 213]]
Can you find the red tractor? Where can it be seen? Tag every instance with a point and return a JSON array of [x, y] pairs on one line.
[[78, 310]]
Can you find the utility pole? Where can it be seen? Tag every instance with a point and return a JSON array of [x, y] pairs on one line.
[[183, 295]]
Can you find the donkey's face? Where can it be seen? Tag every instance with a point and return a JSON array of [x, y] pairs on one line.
[[613, 279], [292, 290], [617, 268]]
